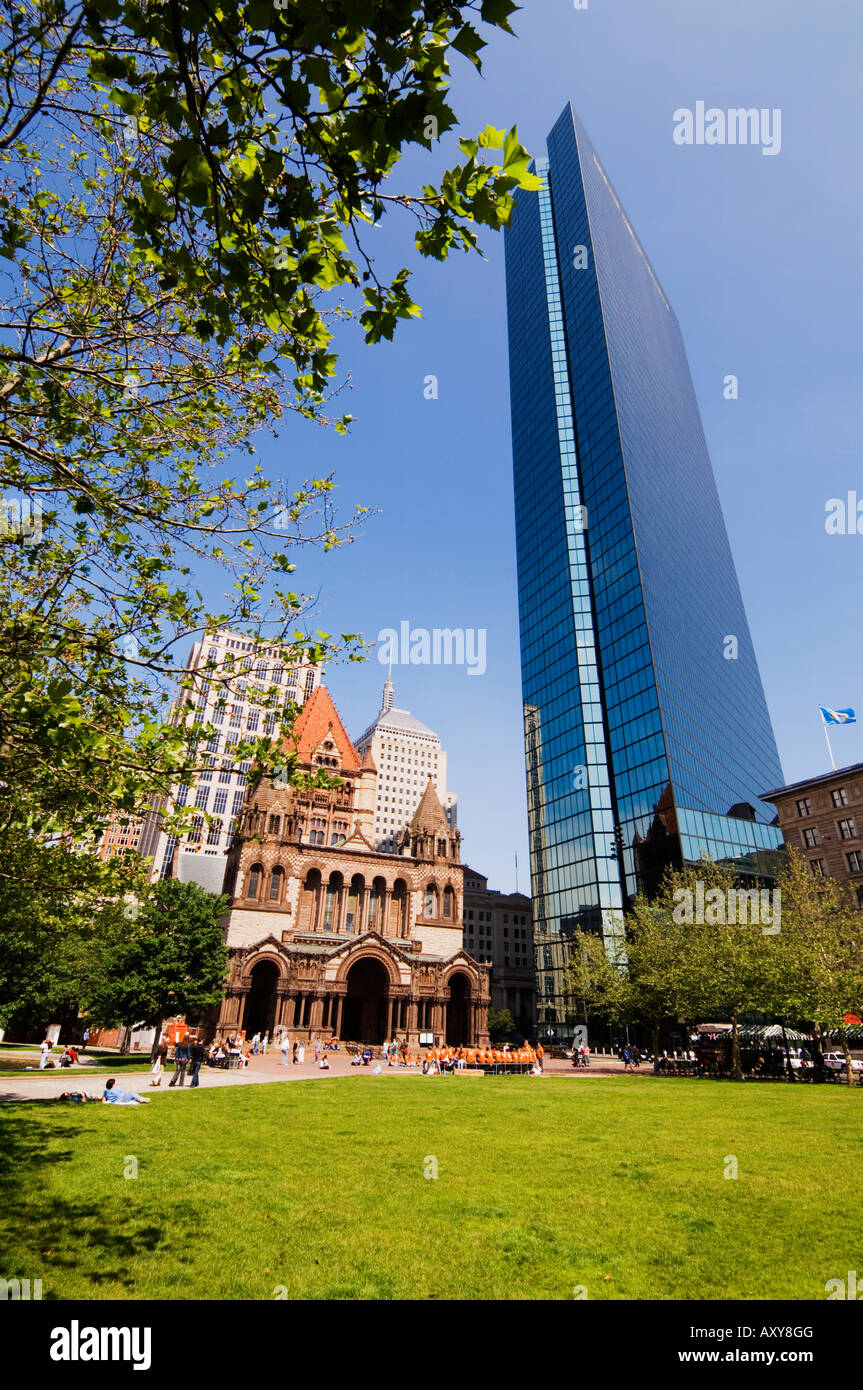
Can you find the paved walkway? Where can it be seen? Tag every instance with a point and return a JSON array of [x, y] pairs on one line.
[[42, 1086]]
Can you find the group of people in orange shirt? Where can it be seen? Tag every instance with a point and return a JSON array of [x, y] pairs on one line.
[[446, 1058]]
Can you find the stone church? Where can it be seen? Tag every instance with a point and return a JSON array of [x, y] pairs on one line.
[[327, 936]]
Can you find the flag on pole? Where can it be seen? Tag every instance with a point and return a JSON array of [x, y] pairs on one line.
[[838, 716]]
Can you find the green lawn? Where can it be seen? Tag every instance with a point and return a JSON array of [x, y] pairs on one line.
[[613, 1184]]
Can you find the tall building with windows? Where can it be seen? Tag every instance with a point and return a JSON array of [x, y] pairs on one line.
[[227, 672], [406, 753], [647, 735], [497, 929], [822, 818]]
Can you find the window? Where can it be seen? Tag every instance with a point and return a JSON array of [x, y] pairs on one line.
[[253, 720], [182, 796], [448, 902], [276, 882], [201, 796], [855, 861], [256, 873], [195, 832], [810, 838], [238, 803], [804, 806], [220, 803], [215, 832], [236, 716], [275, 825], [840, 797], [860, 895], [847, 829], [431, 901]]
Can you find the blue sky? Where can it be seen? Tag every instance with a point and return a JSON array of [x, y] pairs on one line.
[[760, 259]]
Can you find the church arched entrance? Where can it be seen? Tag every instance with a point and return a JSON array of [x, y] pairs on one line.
[[260, 1012], [364, 1017], [458, 1011]]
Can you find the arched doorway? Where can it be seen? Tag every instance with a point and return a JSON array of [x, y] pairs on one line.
[[259, 1015], [458, 1011], [364, 1017]]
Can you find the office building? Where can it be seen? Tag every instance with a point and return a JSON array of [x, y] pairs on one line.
[[228, 675], [647, 734], [822, 818], [498, 929], [406, 753]]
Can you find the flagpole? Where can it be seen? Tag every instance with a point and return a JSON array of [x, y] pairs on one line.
[[829, 749]]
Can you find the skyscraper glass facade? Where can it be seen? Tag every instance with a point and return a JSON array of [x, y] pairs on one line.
[[646, 730]]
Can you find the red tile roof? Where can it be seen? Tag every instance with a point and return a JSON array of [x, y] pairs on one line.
[[316, 719]]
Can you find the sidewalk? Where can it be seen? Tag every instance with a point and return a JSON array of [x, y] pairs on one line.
[[260, 1070]]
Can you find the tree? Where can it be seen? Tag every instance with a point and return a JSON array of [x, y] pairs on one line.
[[717, 961], [500, 1023], [188, 196], [819, 953], [58, 908], [598, 984], [170, 959]]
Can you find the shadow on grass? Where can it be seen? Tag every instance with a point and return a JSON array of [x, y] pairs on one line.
[[48, 1235]]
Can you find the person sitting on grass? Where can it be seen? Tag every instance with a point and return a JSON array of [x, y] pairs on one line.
[[115, 1097]]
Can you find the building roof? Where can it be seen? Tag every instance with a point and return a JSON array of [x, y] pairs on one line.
[[316, 719], [399, 721], [429, 814], [823, 779]]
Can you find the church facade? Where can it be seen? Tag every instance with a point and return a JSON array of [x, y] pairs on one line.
[[328, 936]]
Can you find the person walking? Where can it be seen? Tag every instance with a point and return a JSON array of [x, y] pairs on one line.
[[196, 1058], [317, 1049], [283, 1046], [158, 1057], [256, 1044], [181, 1061], [44, 1049], [295, 1052], [264, 1041], [85, 1039], [302, 1052]]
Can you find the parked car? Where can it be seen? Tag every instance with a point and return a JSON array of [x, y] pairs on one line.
[[835, 1061]]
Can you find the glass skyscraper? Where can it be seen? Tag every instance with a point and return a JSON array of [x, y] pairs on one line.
[[646, 729]]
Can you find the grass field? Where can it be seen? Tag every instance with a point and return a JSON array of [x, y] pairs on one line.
[[317, 1189]]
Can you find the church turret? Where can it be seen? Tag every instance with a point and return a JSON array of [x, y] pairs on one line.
[[429, 835]]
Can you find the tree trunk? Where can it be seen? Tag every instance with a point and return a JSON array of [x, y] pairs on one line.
[[819, 1053], [788, 1066], [736, 1064], [654, 1043], [849, 1070]]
